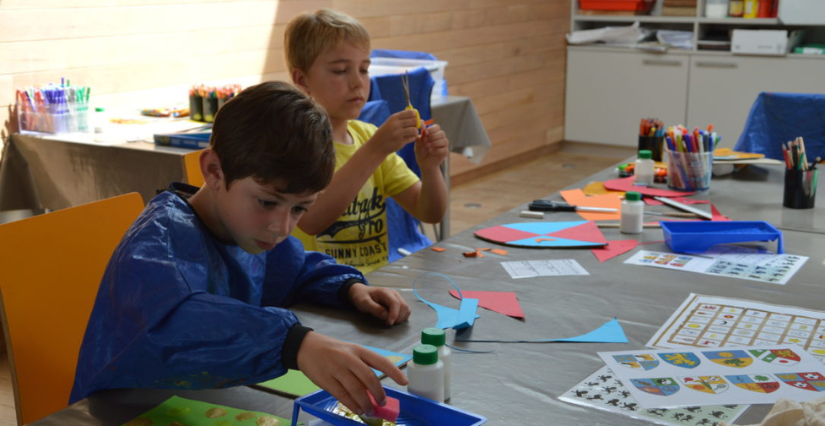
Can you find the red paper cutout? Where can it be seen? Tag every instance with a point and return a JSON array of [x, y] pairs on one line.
[[587, 231], [626, 184], [613, 249], [503, 233], [503, 302]]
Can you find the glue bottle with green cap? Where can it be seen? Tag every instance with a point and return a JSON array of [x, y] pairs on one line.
[[438, 338], [426, 373], [644, 168], [633, 210]]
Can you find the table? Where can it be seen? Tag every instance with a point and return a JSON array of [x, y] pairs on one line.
[[60, 171], [521, 382]]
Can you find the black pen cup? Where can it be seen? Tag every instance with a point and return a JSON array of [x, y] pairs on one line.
[[800, 188], [196, 108], [210, 108], [653, 144]]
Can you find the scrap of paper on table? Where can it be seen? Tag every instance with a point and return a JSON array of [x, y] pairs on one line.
[[543, 268], [576, 197], [609, 332], [597, 188], [684, 200], [626, 184], [503, 302], [177, 410], [763, 267], [710, 321], [664, 378], [614, 248], [603, 390]]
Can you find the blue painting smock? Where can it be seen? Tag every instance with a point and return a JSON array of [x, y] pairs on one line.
[[178, 309]]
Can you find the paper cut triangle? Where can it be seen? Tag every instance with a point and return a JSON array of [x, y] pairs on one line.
[[503, 302], [716, 215], [609, 332], [683, 200], [626, 184], [587, 231], [613, 249], [454, 318]]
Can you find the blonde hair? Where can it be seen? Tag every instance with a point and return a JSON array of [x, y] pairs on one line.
[[308, 35]]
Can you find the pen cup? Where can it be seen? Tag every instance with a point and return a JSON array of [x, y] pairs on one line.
[[689, 171], [800, 188], [652, 143], [196, 108], [210, 108]]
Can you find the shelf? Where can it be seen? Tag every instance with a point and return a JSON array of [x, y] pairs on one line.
[[634, 18], [739, 21]]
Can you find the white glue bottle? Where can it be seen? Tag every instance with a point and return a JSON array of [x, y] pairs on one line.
[[438, 338], [633, 210], [643, 170], [426, 373]]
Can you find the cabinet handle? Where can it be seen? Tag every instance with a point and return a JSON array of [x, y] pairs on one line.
[[662, 62], [711, 64]]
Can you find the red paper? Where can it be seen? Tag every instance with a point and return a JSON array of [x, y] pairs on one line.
[[626, 184], [503, 302], [613, 249]]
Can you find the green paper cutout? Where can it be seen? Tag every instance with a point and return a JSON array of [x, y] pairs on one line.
[[194, 413]]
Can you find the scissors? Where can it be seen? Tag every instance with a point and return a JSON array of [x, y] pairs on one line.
[[405, 82], [558, 206]]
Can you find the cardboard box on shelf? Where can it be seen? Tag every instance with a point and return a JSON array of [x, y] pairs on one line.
[[760, 42]]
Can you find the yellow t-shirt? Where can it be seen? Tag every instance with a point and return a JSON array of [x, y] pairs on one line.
[[359, 237]]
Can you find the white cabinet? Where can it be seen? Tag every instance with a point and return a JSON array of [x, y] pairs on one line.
[[722, 89], [609, 92]]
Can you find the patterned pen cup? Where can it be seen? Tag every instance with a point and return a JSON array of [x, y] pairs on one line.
[[654, 144], [689, 171]]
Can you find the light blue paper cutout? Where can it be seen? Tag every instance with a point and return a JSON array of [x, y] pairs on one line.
[[464, 317], [609, 332]]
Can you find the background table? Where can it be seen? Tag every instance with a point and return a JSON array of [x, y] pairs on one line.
[[56, 172], [520, 382]]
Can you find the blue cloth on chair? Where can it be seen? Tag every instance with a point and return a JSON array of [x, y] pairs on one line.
[[403, 54], [387, 98], [776, 118]]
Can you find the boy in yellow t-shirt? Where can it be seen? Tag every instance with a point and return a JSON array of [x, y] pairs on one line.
[[327, 55]]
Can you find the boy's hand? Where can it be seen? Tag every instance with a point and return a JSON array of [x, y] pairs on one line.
[[396, 132], [345, 370], [383, 303], [432, 147]]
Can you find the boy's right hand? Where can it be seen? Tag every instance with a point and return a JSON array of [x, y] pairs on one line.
[[345, 370], [399, 130]]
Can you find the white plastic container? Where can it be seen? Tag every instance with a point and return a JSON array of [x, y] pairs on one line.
[[632, 213], [716, 9], [643, 171], [426, 373], [438, 338]]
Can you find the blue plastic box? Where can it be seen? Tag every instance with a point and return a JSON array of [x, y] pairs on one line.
[[415, 411], [698, 236]]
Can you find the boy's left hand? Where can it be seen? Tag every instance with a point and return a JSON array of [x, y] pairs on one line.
[[431, 147], [380, 302]]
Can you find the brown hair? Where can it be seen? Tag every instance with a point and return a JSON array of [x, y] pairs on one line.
[[274, 132], [309, 34]]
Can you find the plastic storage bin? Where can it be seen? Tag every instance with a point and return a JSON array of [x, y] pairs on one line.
[[632, 5], [415, 410], [383, 66], [697, 237]]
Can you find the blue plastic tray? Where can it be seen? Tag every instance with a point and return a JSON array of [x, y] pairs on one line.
[[415, 411], [697, 237]]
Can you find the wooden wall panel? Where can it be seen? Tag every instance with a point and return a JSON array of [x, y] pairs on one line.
[[507, 55]]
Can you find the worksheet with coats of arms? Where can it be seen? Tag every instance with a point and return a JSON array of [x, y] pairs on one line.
[[718, 376]]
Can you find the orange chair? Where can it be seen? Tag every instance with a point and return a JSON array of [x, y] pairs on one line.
[[52, 265], [192, 168]]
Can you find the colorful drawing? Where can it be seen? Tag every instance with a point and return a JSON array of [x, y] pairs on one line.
[[776, 356], [762, 383], [707, 384], [812, 381], [681, 359], [645, 361], [729, 358], [664, 386], [580, 233]]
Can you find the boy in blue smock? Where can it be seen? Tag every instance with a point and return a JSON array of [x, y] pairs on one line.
[[194, 295], [328, 56]]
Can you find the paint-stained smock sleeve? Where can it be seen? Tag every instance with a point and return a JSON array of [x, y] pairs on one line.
[[177, 310]]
